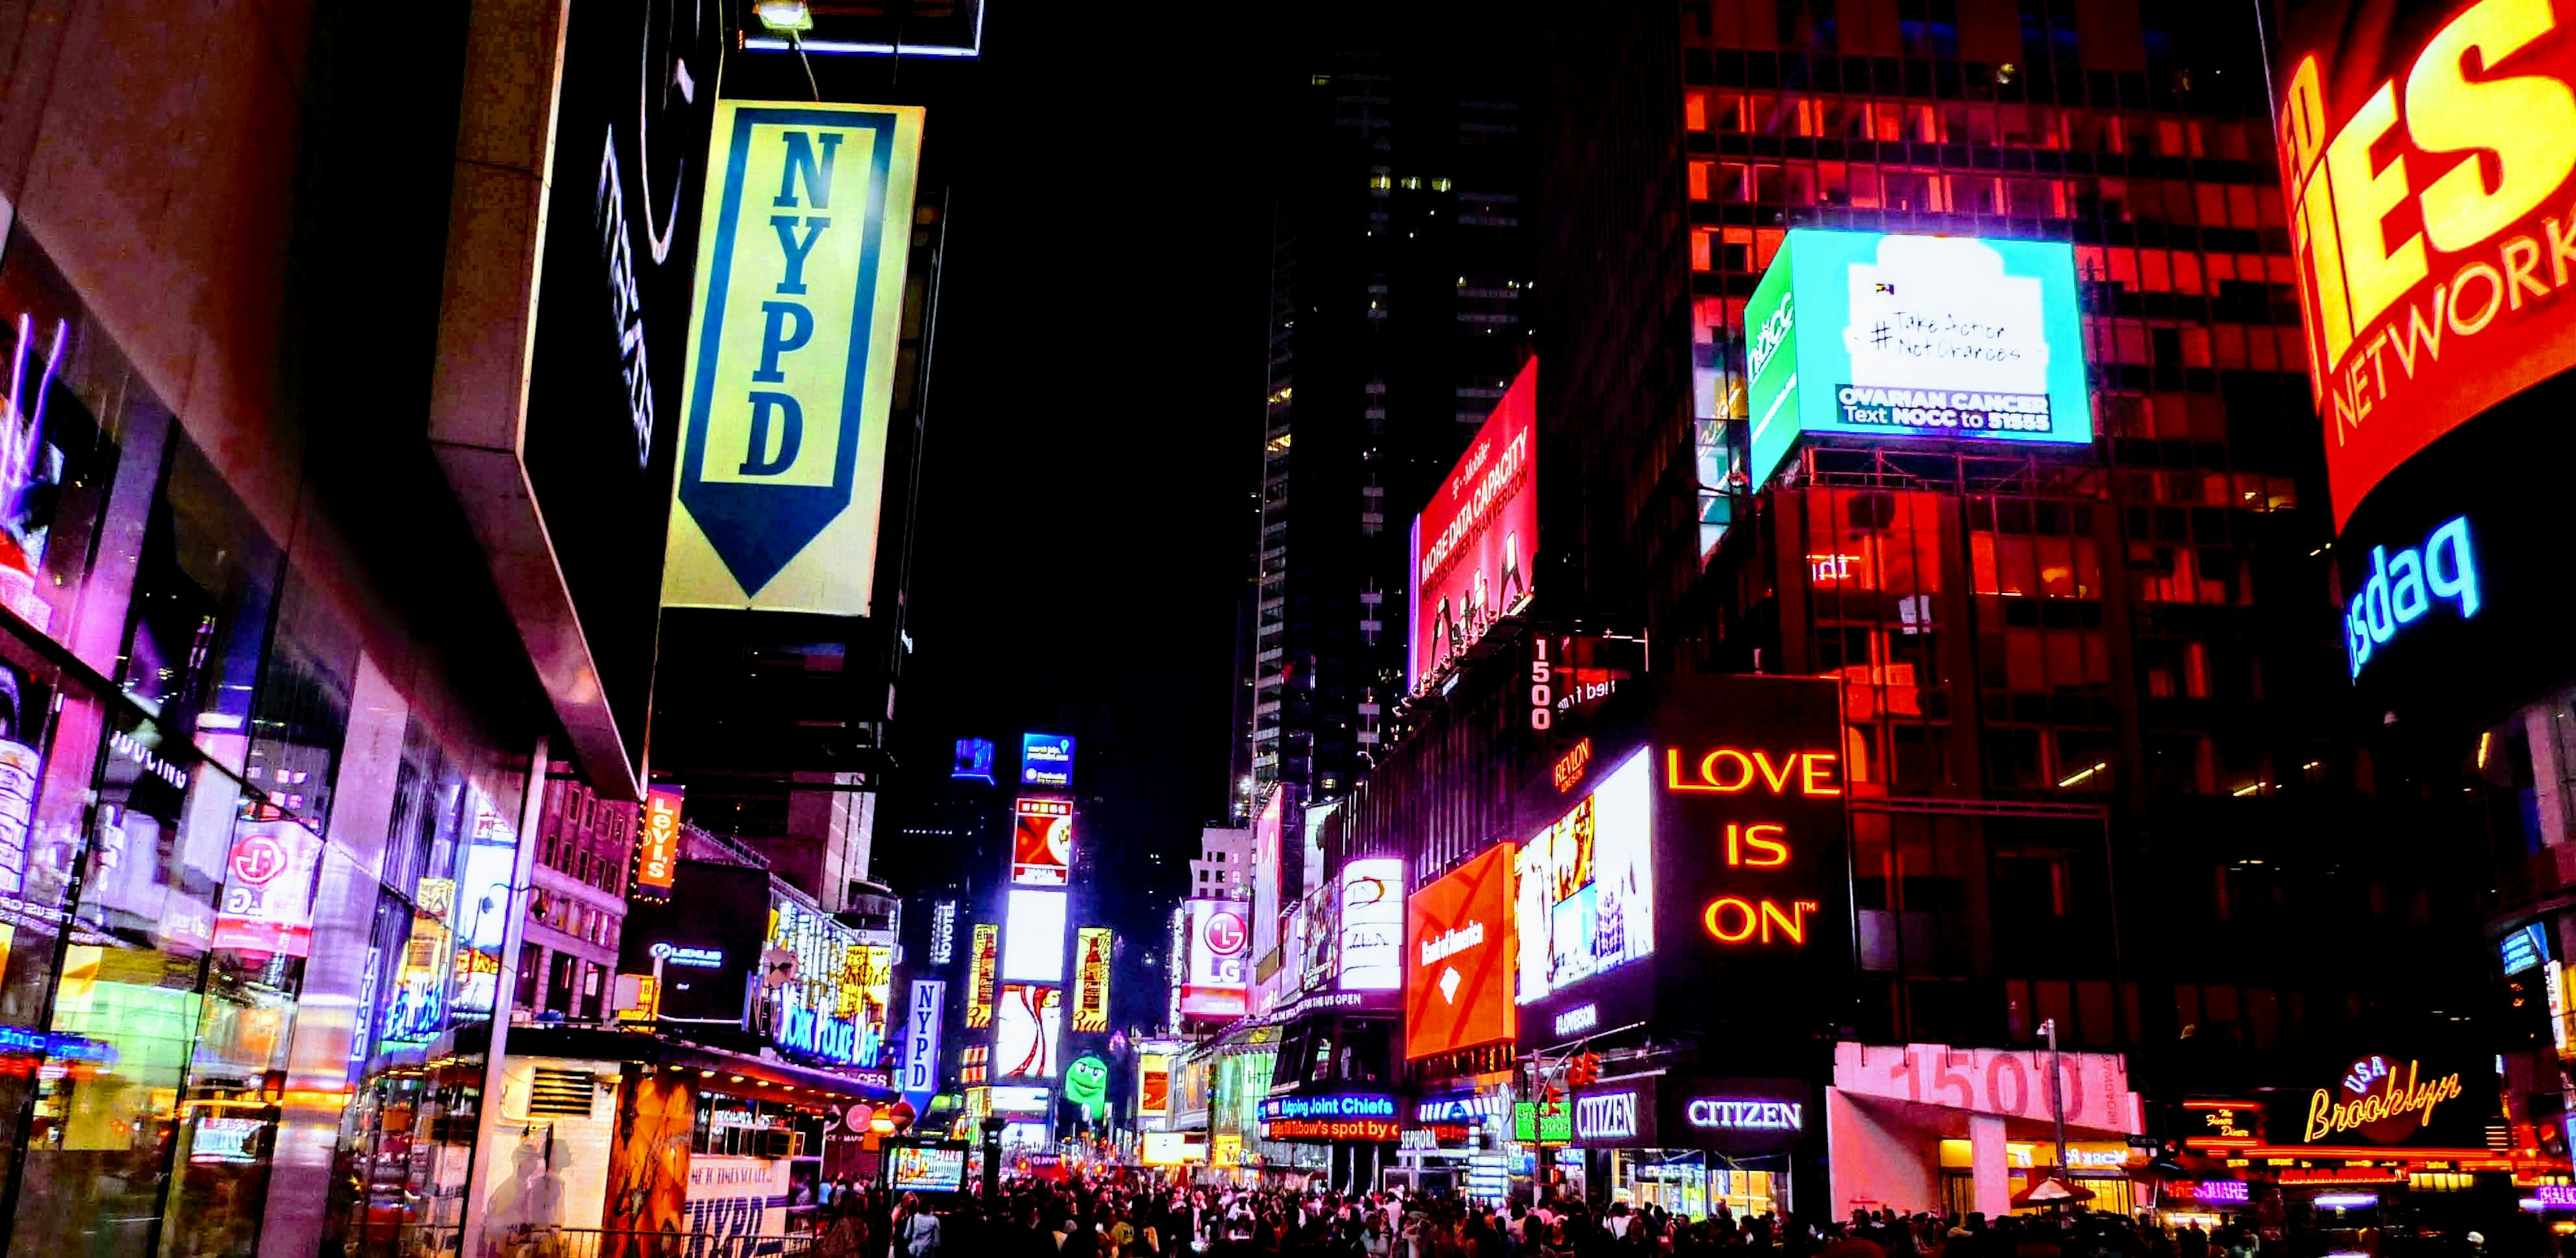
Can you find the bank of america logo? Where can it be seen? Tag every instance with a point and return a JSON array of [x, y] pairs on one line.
[[1449, 981]]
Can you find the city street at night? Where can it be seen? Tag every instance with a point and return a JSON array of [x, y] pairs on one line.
[[1368, 628]]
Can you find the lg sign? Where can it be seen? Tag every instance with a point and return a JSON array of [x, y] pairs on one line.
[[2428, 183], [1225, 933]]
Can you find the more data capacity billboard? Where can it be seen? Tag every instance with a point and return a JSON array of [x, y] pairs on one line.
[[1914, 336], [1475, 544]]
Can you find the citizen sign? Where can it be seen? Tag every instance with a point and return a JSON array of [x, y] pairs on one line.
[[1747, 1115], [1611, 1117]]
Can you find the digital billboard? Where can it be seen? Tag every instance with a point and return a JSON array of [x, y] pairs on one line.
[[1372, 930], [1030, 1022], [1033, 937], [1092, 946], [1046, 760], [798, 301], [1585, 893], [1460, 954], [657, 844], [973, 762], [1153, 1084], [982, 971], [1475, 543], [1042, 842], [2427, 151], [1220, 965], [1914, 336], [919, 1169]]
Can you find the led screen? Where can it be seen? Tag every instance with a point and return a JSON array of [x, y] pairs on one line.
[[1474, 543], [1586, 895], [928, 1170], [1031, 1021], [1019, 1098], [1372, 944], [1220, 946], [1091, 951], [1033, 937], [1914, 336], [1046, 760], [1460, 950], [1042, 842]]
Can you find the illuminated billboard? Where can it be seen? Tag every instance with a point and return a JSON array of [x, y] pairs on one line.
[[1092, 946], [1153, 1084], [982, 970], [1474, 544], [268, 891], [1914, 336], [1042, 842], [973, 762], [1029, 1023], [1372, 931], [919, 1169], [920, 1076], [1220, 966], [1033, 937], [791, 357], [1460, 954], [1046, 760], [657, 844], [1585, 886], [2428, 193]]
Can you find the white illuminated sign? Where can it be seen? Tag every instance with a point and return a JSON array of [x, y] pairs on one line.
[[1612, 1116], [1578, 1019], [1033, 937], [701, 958], [1731, 1115], [1372, 952]]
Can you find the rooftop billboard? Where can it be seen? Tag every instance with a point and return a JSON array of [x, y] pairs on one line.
[[1475, 543], [1914, 336]]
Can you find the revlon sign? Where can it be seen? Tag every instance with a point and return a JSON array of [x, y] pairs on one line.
[[2426, 152]]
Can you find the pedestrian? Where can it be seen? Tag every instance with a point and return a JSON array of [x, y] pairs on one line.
[[917, 1236]]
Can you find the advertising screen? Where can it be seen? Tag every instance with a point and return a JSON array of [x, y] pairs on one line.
[[982, 971], [974, 761], [1153, 1084], [1042, 842], [917, 1169], [1033, 937], [1020, 1098], [1585, 901], [1175, 1148], [1220, 960], [1031, 1022], [798, 302], [1460, 954], [1372, 945], [1914, 336], [2426, 153], [1475, 543], [657, 844], [1046, 760], [1092, 946]]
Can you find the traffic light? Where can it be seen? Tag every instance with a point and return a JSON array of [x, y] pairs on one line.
[[1583, 1070]]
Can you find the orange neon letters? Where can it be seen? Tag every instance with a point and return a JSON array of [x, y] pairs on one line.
[[1732, 920], [1729, 770], [1764, 838]]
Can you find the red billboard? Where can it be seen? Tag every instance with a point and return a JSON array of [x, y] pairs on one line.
[[1474, 545], [1042, 843], [1460, 952], [657, 844], [2428, 152]]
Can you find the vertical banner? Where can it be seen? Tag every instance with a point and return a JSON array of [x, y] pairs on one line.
[[1091, 950], [805, 234], [921, 1043], [979, 975], [657, 845]]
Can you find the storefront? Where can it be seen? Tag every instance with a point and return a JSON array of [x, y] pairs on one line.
[[1931, 1127], [1691, 1145]]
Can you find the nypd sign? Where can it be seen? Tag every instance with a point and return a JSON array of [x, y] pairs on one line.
[[805, 233]]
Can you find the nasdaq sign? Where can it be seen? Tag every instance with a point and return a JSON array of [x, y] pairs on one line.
[[806, 230]]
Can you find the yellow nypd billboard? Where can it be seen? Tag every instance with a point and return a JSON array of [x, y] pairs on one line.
[[790, 379]]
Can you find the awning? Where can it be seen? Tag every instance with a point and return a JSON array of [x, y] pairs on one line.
[[719, 1070]]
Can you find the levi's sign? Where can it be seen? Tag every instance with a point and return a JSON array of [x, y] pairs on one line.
[[806, 231]]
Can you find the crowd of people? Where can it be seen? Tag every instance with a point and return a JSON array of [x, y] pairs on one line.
[[1128, 1215]]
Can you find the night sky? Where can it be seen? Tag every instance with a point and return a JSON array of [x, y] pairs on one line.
[[1093, 427]]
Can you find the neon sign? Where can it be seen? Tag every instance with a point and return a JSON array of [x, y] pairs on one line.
[[1723, 1114], [1743, 918], [2401, 590]]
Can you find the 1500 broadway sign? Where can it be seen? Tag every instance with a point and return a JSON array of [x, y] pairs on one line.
[[807, 229]]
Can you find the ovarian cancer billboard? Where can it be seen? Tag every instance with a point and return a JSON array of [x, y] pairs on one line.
[[2428, 155], [1914, 336], [1474, 545]]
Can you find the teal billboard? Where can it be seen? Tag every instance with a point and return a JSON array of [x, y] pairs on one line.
[[1914, 336]]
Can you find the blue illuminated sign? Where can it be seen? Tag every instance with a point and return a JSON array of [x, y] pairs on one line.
[[1351, 1105], [2402, 588], [2525, 949], [1046, 760], [1914, 336], [974, 761]]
